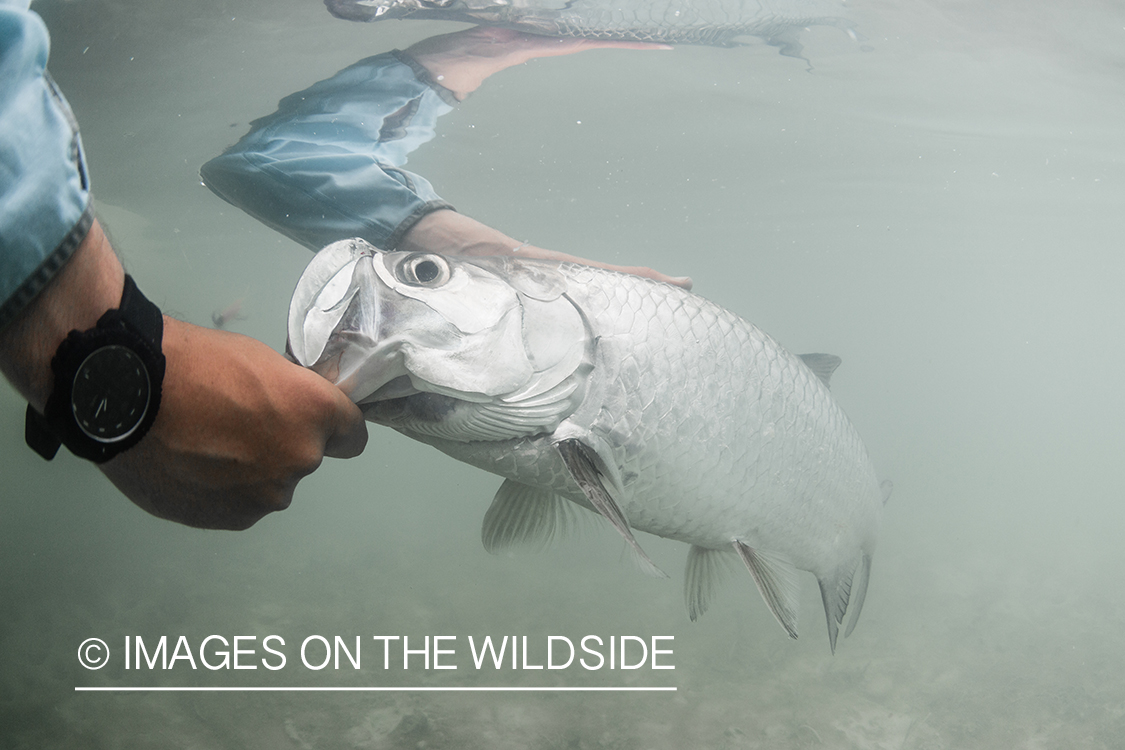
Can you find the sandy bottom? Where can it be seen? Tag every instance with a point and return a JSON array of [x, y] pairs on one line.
[[975, 652]]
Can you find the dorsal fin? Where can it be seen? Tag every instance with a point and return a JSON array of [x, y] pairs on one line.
[[886, 487], [822, 365]]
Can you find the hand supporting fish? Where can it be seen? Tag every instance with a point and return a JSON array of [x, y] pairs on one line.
[[460, 62], [632, 398], [450, 233]]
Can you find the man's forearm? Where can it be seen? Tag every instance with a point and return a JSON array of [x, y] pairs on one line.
[[450, 233], [328, 164], [89, 284]]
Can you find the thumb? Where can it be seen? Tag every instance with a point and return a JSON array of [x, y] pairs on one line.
[[348, 435]]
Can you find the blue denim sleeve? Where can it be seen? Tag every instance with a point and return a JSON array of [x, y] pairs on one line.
[[328, 164], [45, 209]]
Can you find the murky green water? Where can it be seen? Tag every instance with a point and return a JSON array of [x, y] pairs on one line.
[[939, 204]]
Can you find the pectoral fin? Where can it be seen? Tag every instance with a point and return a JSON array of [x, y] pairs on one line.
[[777, 583], [521, 515], [584, 471]]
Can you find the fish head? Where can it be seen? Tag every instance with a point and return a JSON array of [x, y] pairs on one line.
[[387, 325]]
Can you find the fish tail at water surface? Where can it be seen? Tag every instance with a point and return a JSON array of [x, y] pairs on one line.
[[717, 23]]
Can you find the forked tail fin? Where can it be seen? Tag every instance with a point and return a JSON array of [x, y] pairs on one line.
[[835, 591]]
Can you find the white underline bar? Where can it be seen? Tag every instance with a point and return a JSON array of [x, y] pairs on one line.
[[135, 689]]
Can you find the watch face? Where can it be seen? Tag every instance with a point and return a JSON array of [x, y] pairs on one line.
[[110, 394]]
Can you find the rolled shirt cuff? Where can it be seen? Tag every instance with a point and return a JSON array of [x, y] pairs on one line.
[[45, 209], [328, 164]]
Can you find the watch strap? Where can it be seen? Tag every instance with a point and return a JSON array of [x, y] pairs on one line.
[[137, 313], [136, 323], [38, 434]]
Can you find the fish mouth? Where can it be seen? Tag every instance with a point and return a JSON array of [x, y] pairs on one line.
[[334, 320], [321, 297]]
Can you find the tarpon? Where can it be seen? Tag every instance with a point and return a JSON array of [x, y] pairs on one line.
[[717, 22], [638, 400]]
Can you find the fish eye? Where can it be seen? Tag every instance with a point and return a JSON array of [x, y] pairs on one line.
[[424, 269]]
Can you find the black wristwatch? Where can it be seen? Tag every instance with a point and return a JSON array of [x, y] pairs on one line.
[[107, 384]]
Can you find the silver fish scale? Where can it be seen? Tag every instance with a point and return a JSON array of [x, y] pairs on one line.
[[709, 23], [719, 432]]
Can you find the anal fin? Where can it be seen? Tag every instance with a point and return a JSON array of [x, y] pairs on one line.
[[777, 583], [521, 515], [584, 471]]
